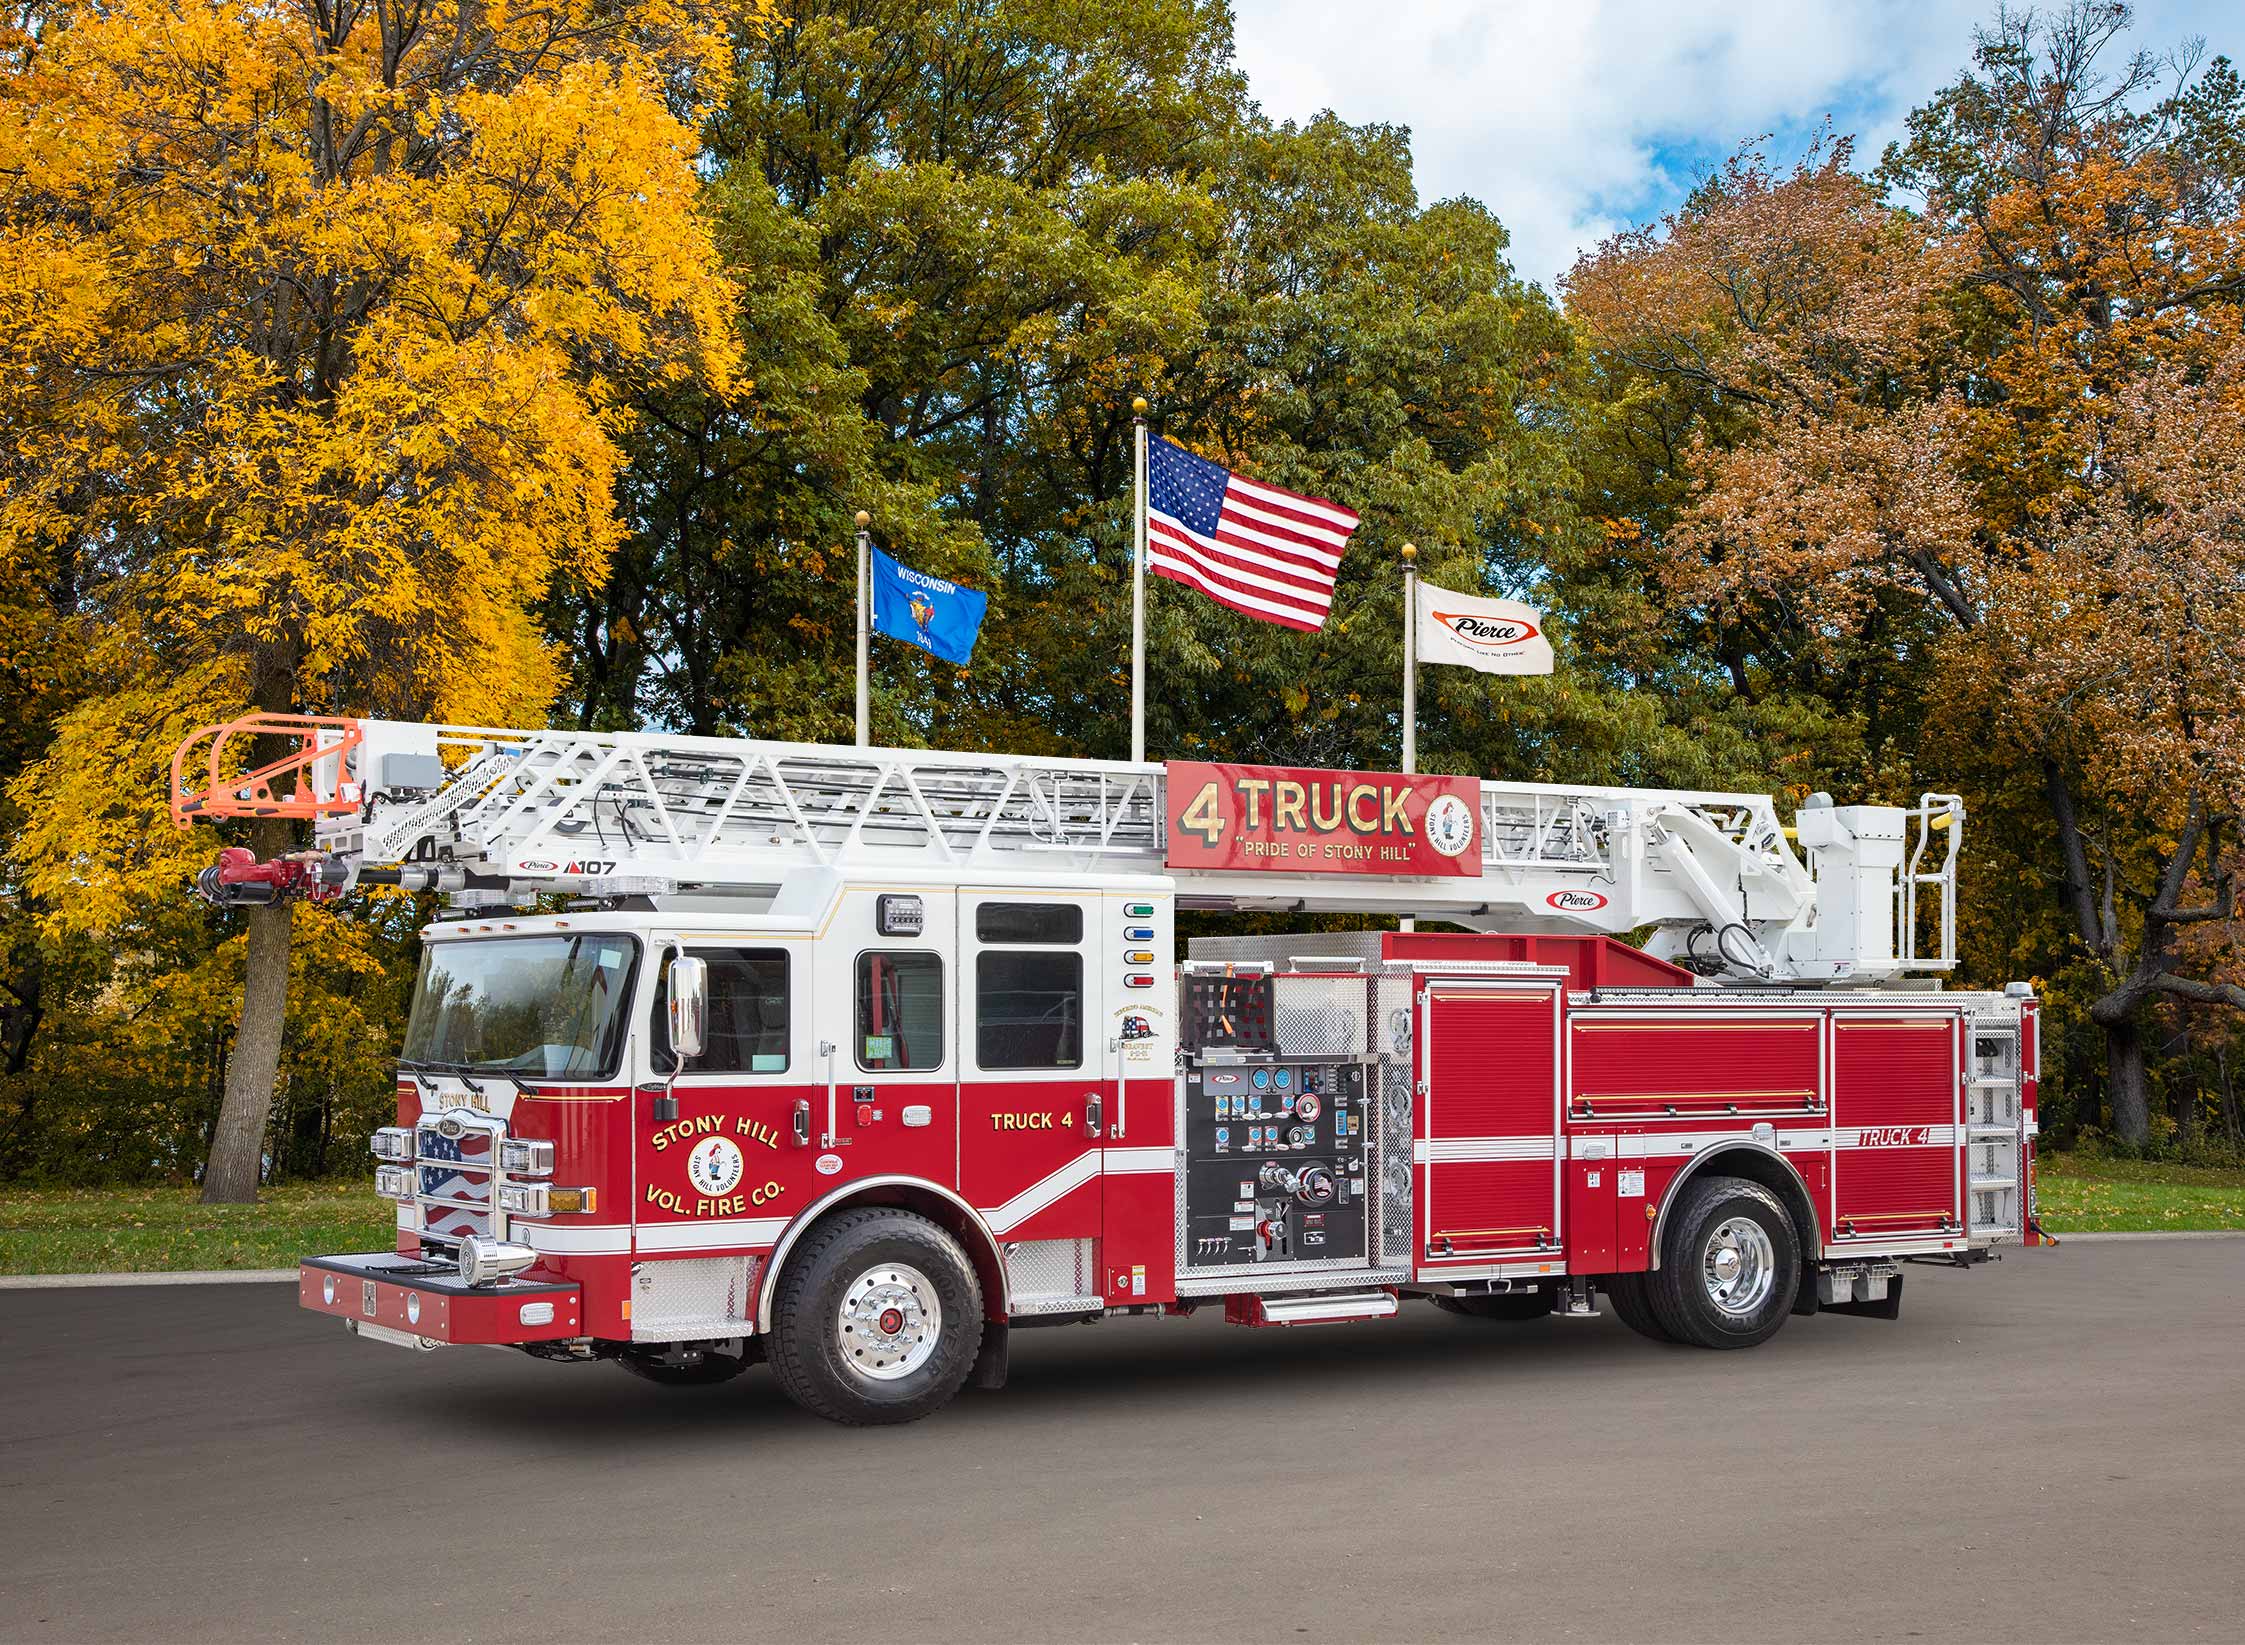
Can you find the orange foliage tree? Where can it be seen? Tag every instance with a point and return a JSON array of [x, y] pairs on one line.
[[2008, 418], [319, 322]]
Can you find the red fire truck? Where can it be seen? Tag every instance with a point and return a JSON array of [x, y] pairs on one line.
[[855, 1061]]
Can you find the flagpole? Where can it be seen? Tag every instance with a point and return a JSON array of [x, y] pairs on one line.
[[1138, 586], [1410, 679], [864, 628], [1410, 659]]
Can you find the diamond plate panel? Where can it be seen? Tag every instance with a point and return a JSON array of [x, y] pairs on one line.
[[691, 1299], [1040, 1270], [1391, 1015], [1321, 1016]]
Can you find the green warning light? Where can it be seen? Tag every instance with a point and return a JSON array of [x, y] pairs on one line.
[[1138, 910]]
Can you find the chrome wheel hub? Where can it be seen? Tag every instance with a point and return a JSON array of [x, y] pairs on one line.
[[889, 1322], [1740, 1266]]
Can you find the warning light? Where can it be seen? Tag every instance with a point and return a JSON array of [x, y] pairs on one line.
[[1138, 980], [1138, 910]]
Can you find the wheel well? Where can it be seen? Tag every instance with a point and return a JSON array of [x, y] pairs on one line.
[[939, 1205], [1773, 1171]]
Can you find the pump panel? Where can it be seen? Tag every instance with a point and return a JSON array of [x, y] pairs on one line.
[[1276, 1163]]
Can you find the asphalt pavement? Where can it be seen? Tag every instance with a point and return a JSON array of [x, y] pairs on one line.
[[2051, 1448]]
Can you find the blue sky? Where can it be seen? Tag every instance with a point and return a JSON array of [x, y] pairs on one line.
[[1572, 118]]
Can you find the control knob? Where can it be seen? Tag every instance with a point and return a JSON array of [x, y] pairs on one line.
[[1313, 1185], [1308, 1107]]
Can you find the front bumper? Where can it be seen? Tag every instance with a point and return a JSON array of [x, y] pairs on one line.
[[429, 1302]]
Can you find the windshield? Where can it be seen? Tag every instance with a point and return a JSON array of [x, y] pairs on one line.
[[543, 1007]]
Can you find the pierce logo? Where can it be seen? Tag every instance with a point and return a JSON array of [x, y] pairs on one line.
[[1487, 633], [538, 865], [1576, 902]]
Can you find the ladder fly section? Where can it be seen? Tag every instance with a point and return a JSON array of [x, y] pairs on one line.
[[498, 813], [719, 812]]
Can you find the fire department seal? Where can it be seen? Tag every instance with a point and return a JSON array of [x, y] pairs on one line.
[[1449, 824], [714, 1167]]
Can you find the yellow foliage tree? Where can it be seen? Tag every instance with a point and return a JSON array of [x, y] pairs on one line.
[[317, 325]]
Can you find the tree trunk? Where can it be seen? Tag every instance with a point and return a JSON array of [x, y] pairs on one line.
[[20, 1019], [237, 1145], [2124, 1078]]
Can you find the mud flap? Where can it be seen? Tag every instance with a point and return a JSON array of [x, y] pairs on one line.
[[1804, 1297], [990, 1359]]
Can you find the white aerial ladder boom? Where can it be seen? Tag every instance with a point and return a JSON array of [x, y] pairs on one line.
[[500, 816]]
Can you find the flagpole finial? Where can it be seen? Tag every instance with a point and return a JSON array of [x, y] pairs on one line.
[[1409, 553], [863, 519], [1138, 406]]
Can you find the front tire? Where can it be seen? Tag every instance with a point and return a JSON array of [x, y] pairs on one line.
[[878, 1319], [1730, 1265]]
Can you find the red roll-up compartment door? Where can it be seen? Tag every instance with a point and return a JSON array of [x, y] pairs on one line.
[[1895, 1127], [1488, 1123]]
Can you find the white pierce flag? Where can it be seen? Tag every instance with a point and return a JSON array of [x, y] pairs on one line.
[[1495, 636]]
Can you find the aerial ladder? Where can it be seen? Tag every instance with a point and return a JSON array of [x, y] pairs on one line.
[[492, 817]]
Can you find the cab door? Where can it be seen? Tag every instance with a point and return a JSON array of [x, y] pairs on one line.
[[1036, 1091], [891, 1106], [720, 1174]]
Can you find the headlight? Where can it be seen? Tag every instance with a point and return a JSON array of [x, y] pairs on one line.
[[487, 1261], [391, 1142], [521, 1158], [394, 1181]]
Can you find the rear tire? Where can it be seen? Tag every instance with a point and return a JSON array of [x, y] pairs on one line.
[[1513, 1307], [878, 1319], [1730, 1265], [1625, 1294]]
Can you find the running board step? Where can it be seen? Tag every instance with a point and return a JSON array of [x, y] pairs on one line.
[[1317, 1308]]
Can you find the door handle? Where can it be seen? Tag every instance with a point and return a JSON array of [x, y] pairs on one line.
[[1092, 1113]]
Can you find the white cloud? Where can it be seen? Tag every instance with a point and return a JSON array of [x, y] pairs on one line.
[[1570, 118]]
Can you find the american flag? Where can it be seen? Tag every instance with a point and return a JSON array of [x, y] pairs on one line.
[[1270, 553]]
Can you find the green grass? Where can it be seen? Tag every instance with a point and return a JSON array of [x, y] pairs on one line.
[[2083, 1193], [147, 1230]]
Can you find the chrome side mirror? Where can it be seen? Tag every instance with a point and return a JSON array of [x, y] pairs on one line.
[[687, 996]]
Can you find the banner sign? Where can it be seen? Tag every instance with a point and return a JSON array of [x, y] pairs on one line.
[[1321, 822], [1495, 636]]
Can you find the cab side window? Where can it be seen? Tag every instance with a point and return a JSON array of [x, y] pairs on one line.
[[899, 1011], [1029, 1002], [748, 1014]]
